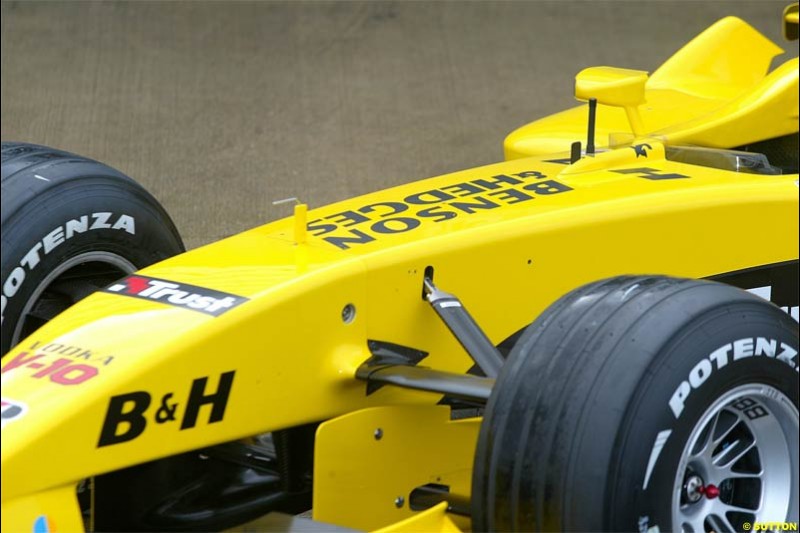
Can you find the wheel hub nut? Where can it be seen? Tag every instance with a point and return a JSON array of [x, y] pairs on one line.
[[694, 489]]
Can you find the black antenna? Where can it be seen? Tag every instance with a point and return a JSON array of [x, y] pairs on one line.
[[592, 118]]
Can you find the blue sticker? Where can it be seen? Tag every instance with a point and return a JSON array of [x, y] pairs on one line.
[[43, 525]]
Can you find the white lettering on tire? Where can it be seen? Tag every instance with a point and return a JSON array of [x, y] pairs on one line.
[[740, 349], [658, 445], [700, 373], [55, 238]]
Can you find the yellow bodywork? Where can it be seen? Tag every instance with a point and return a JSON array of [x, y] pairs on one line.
[[716, 91], [418, 445], [508, 239], [294, 357]]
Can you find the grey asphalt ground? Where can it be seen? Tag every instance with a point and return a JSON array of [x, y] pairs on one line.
[[219, 108]]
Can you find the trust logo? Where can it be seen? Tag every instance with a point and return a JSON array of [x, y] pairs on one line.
[[135, 284], [191, 297]]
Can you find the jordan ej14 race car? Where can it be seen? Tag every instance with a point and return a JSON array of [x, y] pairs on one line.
[[620, 365]]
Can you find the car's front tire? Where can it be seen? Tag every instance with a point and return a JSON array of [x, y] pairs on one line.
[[70, 225], [602, 417]]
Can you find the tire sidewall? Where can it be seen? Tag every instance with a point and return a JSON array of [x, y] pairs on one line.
[[94, 213], [681, 363]]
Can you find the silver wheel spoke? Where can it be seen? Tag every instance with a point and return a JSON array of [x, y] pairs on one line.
[[724, 508], [720, 523], [740, 462], [711, 443], [727, 431], [695, 523], [709, 439], [727, 474], [731, 458]]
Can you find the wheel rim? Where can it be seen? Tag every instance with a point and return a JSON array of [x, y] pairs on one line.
[[740, 463], [69, 282]]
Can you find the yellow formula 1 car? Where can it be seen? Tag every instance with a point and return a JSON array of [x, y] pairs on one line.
[[611, 372]]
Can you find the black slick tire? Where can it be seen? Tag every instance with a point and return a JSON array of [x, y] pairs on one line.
[[70, 225], [573, 437]]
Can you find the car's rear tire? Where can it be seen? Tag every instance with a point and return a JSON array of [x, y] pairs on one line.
[[70, 225], [599, 417]]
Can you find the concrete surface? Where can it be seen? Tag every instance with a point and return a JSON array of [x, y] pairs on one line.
[[219, 108]]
